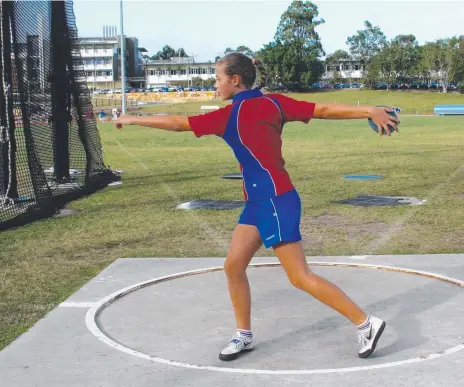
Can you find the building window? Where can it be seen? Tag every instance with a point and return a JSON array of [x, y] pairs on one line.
[[86, 49], [172, 72], [213, 70], [194, 71], [183, 72], [98, 61]]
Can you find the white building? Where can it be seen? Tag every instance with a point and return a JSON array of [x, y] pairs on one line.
[[346, 68], [102, 60], [166, 72], [99, 56]]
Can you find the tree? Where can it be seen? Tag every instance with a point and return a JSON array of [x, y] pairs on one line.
[[197, 81], [336, 77], [181, 53], [245, 50], [272, 54], [382, 66], [335, 57], [406, 55], [367, 43], [292, 59], [444, 59], [166, 52], [298, 26], [241, 49]]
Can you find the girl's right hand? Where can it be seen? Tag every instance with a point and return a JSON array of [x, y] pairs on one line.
[[124, 120], [382, 119]]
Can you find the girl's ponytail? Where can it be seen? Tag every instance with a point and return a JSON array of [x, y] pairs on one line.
[[262, 72]]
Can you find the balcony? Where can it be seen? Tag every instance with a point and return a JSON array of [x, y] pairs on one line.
[[96, 53], [100, 79], [103, 66]]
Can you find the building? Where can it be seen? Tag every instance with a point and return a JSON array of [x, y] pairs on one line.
[[349, 69], [175, 70], [102, 60]]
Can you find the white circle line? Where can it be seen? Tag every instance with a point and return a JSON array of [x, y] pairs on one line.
[[92, 325]]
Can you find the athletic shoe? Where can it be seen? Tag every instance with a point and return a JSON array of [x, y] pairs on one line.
[[237, 345], [369, 336]]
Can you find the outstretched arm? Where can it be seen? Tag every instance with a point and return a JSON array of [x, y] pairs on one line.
[[340, 111], [334, 111], [171, 123], [295, 110]]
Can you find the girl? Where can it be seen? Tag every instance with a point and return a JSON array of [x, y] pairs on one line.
[[252, 126]]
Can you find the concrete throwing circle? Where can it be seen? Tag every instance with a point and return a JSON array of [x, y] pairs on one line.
[[97, 308]]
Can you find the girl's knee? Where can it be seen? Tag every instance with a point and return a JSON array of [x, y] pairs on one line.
[[233, 266], [302, 280]]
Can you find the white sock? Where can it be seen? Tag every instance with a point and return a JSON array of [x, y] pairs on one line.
[[365, 324], [245, 333]]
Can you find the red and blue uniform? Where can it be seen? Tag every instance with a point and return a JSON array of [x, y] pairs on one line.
[[252, 126]]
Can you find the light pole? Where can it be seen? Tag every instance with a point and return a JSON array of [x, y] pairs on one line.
[[123, 62]]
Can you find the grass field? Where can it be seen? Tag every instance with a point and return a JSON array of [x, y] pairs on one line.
[[413, 102], [43, 263]]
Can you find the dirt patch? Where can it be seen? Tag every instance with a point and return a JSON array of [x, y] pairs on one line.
[[316, 231], [460, 196]]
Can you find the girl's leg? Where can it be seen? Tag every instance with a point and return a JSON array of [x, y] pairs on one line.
[[245, 242], [293, 260]]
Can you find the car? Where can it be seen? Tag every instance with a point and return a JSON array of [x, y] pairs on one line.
[[381, 86], [355, 85], [337, 86]]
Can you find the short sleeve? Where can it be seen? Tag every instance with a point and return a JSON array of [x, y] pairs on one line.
[[211, 123], [294, 110]]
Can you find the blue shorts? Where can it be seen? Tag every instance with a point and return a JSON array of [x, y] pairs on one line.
[[277, 219]]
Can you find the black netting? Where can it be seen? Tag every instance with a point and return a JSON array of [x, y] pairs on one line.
[[50, 149]]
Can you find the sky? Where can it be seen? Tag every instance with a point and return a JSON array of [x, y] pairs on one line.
[[206, 28]]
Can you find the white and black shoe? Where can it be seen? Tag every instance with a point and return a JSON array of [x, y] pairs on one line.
[[236, 346], [369, 336]]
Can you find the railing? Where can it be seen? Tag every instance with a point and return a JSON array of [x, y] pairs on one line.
[[101, 103]]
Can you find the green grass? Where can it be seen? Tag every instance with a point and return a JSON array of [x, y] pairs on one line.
[[412, 102], [41, 264]]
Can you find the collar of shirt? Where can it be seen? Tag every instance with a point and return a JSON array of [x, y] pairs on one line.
[[246, 94]]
